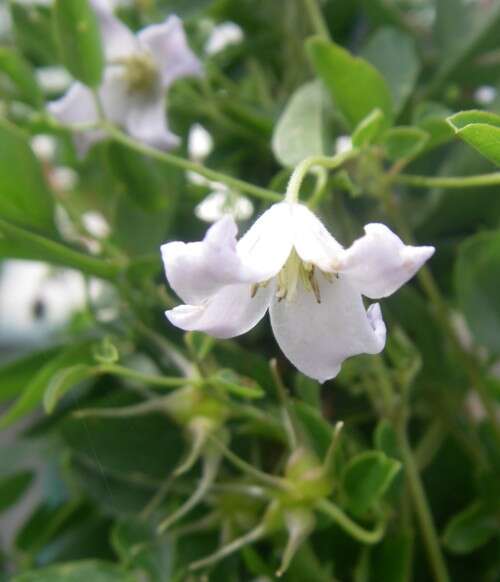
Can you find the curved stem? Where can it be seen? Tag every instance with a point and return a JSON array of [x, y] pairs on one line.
[[163, 381], [348, 525], [182, 163], [301, 171], [478, 180], [422, 509], [317, 19]]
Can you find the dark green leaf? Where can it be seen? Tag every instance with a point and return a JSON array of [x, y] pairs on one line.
[[24, 196], [83, 571], [63, 381], [481, 130], [34, 31], [13, 487], [393, 53], [470, 529], [79, 40], [431, 117], [366, 478], [477, 274], [356, 86], [404, 143]]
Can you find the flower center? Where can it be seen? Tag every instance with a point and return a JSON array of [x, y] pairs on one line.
[[297, 272], [141, 73]]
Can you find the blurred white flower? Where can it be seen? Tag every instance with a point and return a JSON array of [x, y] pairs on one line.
[[95, 224], [44, 147], [485, 95], [139, 69], [63, 178], [53, 79], [222, 201], [222, 36], [288, 263], [36, 301], [200, 142], [343, 144]]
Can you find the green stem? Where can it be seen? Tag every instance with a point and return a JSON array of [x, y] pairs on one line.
[[178, 162], [57, 253], [317, 19], [449, 182], [348, 525], [163, 381], [421, 507], [301, 171]]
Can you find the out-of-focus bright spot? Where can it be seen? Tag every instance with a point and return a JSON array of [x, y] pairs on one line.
[[485, 95], [63, 178], [200, 142], [37, 301], [221, 202], [53, 79], [222, 36], [343, 144], [95, 224], [44, 146]]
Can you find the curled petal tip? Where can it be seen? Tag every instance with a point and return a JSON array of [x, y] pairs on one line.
[[374, 314], [415, 257]]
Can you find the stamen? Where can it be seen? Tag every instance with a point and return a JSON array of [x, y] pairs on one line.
[[314, 286]]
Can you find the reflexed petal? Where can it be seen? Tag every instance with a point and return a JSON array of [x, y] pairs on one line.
[[118, 40], [76, 106], [230, 312], [147, 122], [169, 47], [318, 337], [313, 243], [114, 96], [378, 263], [268, 243], [196, 271]]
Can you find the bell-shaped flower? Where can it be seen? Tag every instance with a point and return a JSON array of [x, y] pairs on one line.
[[139, 70], [288, 263]]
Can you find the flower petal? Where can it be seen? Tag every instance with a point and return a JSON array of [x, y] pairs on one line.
[[76, 106], [232, 311], [318, 337], [119, 41], [313, 243], [147, 122], [169, 47], [268, 243], [378, 263], [196, 271]]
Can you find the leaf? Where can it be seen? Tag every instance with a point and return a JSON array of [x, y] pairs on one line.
[[82, 571], [315, 426], [366, 478], [13, 487], [79, 40], [232, 382], [34, 31], [481, 130], [477, 272], [392, 559], [299, 132], [404, 142], [21, 75], [24, 196], [367, 131], [470, 529], [63, 381], [393, 53], [432, 118], [34, 391], [385, 439], [14, 376], [356, 86]]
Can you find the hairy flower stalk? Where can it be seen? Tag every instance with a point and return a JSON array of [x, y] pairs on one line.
[[139, 70], [289, 264]]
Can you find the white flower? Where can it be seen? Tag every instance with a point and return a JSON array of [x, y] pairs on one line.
[[139, 69], [200, 142], [222, 36], [223, 201], [485, 95], [288, 263], [44, 146]]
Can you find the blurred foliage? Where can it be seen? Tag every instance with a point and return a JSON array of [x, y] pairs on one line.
[[132, 452]]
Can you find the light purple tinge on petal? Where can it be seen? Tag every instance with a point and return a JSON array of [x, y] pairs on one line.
[[168, 45], [146, 121], [378, 263]]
